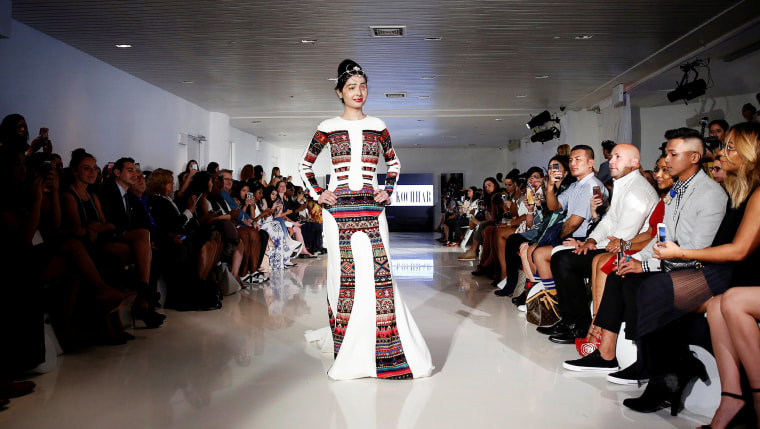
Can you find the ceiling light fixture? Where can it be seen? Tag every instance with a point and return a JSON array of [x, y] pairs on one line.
[[541, 76], [520, 96], [125, 45], [498, 119], [423, 97], [433, 39], [545, 135], [188, 82], [538, 120], [309, 40], [584, 37]]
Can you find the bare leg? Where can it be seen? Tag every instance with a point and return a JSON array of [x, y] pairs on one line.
[[543, 256], [740, 307], [485, 257], [727, 359], [237, 260], [526, 265], [206, 259], [139, 242]]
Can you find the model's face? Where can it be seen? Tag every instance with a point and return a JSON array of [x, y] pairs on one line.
[[661, 176], [580, 164], [717, 131], [679, 157], [86, 172], [354, 92]]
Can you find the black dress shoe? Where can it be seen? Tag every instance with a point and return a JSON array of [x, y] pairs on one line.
[[557, 328], [574, 331]]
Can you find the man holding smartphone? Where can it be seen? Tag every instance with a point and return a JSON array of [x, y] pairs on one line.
[[632, 202]]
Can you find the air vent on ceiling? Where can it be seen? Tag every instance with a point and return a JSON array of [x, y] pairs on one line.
[[387, 30], [395, 94]]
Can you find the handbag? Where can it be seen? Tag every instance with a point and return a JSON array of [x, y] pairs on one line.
[[542, 308], [668, 265]]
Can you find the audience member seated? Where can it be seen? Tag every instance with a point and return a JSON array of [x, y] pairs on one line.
[[605, 263], [186, 176], [14, 134], [730, 262], [253, 238], [490, 187], [633, 201], [128, 240], [311, 229], [464, 212], [282, 247], [653, 301], [224, 220], [194, 247], [574, 205]]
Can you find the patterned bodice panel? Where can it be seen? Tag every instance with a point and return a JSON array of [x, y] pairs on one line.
[[373, 144]]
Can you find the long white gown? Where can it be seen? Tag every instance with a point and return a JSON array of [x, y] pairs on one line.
[[373, 332]]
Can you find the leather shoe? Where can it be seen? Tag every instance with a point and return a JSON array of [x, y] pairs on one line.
[[555, 329], [574, 331]]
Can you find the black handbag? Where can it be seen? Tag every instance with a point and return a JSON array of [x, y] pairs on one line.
[[668, 265]]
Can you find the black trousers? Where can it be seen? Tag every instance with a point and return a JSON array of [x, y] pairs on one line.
[[618, 303], [263, 242], [569, 270]]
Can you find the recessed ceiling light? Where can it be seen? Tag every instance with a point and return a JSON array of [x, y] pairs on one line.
[[125, 45], [556, 37], [498, 119], [308, 40], [433, 38], [520, 96], [423, 97], [584, 37], [188, 81], [334, 79], [541, 76], [428, 77]]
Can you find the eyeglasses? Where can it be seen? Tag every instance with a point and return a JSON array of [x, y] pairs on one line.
[[726, 147]]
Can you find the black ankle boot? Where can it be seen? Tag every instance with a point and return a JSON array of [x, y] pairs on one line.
[[672, 388]]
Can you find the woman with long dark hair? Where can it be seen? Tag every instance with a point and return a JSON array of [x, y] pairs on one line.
[[360, 285]]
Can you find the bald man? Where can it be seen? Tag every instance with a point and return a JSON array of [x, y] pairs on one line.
[[633, 200]]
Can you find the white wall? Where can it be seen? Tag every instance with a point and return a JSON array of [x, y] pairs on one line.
[[583, 127], [656, 120], [246, 152]]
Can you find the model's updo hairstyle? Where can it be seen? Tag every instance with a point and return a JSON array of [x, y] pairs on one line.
[[346, 69]]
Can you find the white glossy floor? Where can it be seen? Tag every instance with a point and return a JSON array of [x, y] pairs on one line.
[[248, 366]]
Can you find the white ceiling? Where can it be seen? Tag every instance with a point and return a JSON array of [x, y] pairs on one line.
[[246, 58]]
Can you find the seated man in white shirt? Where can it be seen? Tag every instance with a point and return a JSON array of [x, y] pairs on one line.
[[633, 201]]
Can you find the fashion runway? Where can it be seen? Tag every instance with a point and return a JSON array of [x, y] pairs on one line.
[[248, 365]]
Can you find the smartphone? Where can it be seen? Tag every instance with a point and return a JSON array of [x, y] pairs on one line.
[[661, 233], [504, 198], [597, 192], [194, 167], [529, 196], [555, 166], [183, 238], [249, 196], [44, 132]]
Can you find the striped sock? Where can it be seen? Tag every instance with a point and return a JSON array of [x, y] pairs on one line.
[[548, 283]]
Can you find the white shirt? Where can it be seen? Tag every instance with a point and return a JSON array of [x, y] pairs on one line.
[[633, 200]]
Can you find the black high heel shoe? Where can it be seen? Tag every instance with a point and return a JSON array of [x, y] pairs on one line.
[[669, 388], [150, 317], [743, 417]]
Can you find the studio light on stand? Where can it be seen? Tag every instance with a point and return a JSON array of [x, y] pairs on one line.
[[687, 90]]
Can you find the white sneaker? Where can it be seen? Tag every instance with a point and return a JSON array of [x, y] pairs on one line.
[[523, 308]]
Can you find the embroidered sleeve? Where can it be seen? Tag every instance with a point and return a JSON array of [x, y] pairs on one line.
[[306, 164], [391, 161]]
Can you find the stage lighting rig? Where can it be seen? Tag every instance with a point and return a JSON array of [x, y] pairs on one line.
[[687, 90], [543, 127]]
